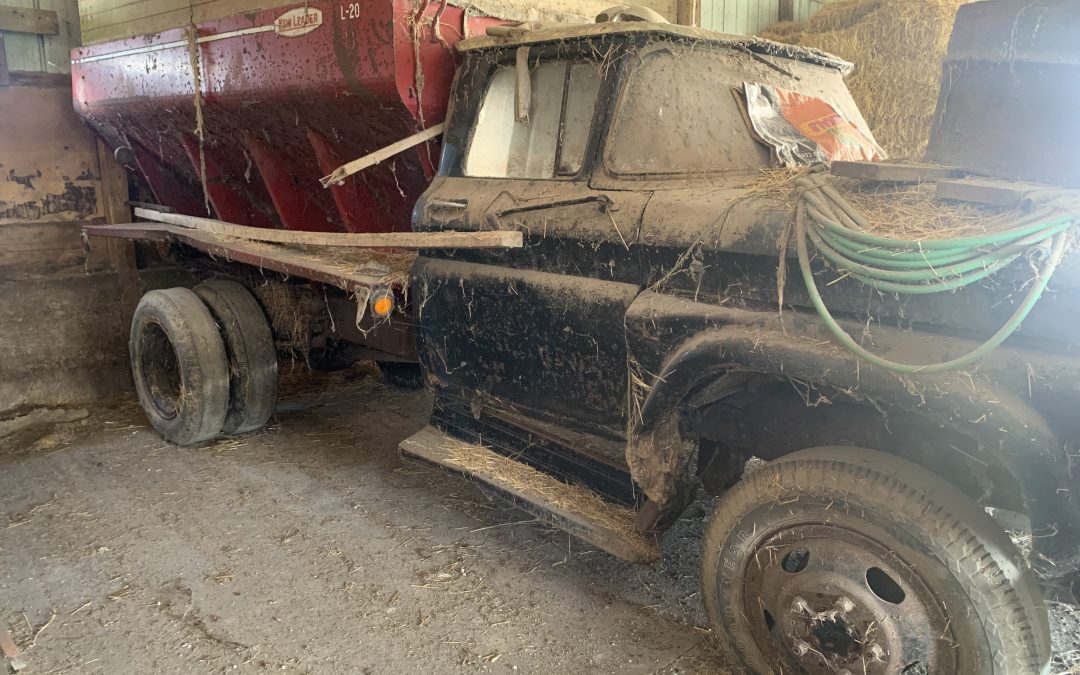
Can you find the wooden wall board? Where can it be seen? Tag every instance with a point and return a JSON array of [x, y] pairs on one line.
[[28, 20]]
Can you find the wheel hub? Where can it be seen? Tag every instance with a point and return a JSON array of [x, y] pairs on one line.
[[824, 599]]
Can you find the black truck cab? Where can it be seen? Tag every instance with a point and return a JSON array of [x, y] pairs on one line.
[[632, 354]]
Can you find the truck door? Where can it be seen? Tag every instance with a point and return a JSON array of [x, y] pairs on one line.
[[536, 331]]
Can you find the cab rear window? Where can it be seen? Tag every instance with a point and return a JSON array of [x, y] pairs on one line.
[[552, 141]]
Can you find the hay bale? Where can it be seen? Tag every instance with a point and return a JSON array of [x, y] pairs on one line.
[[898, 47]]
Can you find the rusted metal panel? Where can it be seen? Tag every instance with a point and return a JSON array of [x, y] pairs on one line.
[[1008, 101]]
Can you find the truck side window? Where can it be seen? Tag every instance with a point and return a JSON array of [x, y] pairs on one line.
[[552, 142]]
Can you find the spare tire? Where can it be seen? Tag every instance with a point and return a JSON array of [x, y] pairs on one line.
[[252, 357], [179, 365]]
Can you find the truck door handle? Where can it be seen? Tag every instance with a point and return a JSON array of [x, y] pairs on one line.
[[603, 200]]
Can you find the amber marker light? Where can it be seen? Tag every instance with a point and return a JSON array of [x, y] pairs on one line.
[[382, 303]]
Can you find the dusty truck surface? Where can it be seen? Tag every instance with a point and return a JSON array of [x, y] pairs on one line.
[[878, 409], [632, 353]]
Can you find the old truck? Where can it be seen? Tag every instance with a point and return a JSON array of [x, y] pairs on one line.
[[631, 355]]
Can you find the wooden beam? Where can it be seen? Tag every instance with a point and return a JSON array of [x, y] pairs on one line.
[[357, 165], [787, 10], [688, 12], [484, 239], [1001, 194], [114, 196], [29, 20], [893, 173]]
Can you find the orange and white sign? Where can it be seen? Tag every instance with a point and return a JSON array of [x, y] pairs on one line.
[[803, 129]]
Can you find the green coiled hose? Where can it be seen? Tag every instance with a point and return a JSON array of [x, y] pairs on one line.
[[908, 267]]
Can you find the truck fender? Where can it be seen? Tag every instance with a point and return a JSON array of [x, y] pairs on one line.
[[1005, 428]]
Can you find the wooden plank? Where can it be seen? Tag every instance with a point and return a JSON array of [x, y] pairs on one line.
[[543, 495], [986, 192], [57, 48], [273, 257], [105, 20], [95, 33], [29, 20], [893, 173], [45, 246], [484, 239], [114, 197], [357, 165], [24, 52]]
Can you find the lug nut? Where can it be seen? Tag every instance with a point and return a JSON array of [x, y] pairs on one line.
[[876, 652], [798, 605], [801, 648], [845, 605]]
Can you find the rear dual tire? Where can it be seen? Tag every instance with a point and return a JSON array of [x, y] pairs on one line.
[[179, 364], [249, 346], [203, 361]]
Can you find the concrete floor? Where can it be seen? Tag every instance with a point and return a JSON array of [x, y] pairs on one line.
[[312, 547]]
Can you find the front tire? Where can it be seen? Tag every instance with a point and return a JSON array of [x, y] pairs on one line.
[[835, 559]]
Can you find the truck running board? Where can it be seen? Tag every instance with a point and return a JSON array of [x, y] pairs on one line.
[[572, 508]]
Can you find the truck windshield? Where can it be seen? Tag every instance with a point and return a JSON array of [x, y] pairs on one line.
[[678, 115], [551, 143]]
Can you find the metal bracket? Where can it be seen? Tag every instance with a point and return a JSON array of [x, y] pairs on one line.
[[362, 296]]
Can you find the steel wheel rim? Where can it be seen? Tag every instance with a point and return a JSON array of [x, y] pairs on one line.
[[826, 599], [161, 371]]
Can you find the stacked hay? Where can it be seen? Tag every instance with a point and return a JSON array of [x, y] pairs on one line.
[[897, 47]]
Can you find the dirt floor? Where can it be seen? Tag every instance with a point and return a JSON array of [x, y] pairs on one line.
[[312, 547]]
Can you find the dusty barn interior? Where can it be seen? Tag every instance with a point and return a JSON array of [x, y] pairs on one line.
[[541, 336]]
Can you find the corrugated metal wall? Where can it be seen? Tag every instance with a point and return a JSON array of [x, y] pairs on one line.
[[804, 9], [744, 17], [749, 17], [44, 53]]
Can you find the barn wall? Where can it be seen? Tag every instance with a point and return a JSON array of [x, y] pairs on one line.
[[749, 17], [743, 17], [61, 327]]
